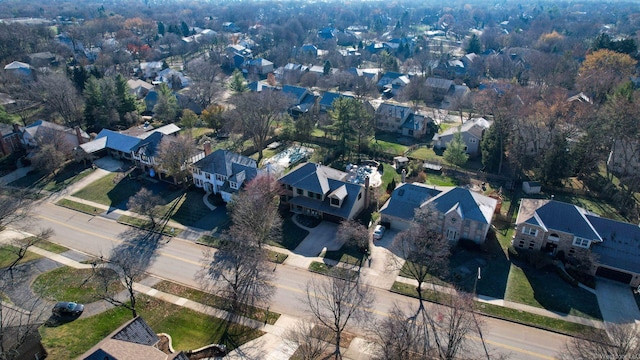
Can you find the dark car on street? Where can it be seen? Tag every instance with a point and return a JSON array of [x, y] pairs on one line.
[[67, 308]]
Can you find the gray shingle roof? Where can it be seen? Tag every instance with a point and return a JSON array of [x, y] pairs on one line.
[[312, 177], [620, 246], [150, 144], [406, 198], [560, 216], [111, 140], [139, 332], [343, 211], [468, 204], [225, 163]]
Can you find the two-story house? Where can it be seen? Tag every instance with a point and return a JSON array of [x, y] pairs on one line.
[[401, 119], [471, 131], [303, 99], [457, 213], [554, 226], [223, 172], [320, 191]]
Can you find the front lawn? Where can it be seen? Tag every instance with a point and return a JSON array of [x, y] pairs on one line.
[[8, 255], [188, 329], [347, 254], [188, 208], [74, 205], [112, 190], [292, 234], [67, 175], [69, 284], [545, 289]]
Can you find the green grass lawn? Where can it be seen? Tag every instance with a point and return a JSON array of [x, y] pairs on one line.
[[69, 284], [188, 329], [545, 289], [111, 190], [69, 174], [189, 208], [426, 154], [8, 255], [347, 254], [388, 146], [336, 271], [440, 180], [52, 247], [146, 225], [214, 301], [499, 311], [74, 205], [389, 173]]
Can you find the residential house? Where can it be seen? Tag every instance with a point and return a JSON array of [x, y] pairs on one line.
[[439, 87], [66, 139], [10, 138], [531, 187], [258, 86], [387, 78], [139, 88], [326, 102], [238, 54], [223, 172], [258, 66], [401, 119], [22, 341], [304, 100], [42, 59], [109, 142], [472, 132], [133, 340], [320, 191], [230, 27], [150, 69], [457, 213], [173, 78], [554, 226], [18, 68], [327, 33]]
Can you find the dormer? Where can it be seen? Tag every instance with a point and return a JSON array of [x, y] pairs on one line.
[[337, 196], [236, 180]]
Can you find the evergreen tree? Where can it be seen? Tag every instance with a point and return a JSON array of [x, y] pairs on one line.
[[326, 70], [455, 152], [237, 84], [161, 28], [491, 149], [166, 109], [557, 163], [474, 45], [184, 29]]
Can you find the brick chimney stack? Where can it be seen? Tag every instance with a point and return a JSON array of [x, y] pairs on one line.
[[207, 148], [79, 135]]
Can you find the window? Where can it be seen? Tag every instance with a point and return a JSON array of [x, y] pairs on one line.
[[310, 194], [289, 187], [472, 140], [359, 196], [411, 132], [580, 242], [335, 202], [319, 196], [529, 231], [299, 191], [207, 176]]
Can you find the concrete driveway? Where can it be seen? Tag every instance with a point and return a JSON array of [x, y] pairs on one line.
[[616, 302], [320, 237]]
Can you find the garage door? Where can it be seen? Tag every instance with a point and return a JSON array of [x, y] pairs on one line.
[[612, 274]]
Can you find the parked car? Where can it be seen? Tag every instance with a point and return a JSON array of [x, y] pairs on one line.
[[67, 308], [378, 232]]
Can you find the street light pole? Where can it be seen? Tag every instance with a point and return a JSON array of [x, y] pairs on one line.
[[475, 283]]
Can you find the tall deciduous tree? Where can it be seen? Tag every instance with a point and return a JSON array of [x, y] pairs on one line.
[[621, 342], [335, 302], [146, 203], [258, 114], [420, 251], [355, 234], [61, 97], [174, 156], [602, 71], [254, 212]]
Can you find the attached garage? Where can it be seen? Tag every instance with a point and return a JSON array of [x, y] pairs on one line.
[[613, 274]]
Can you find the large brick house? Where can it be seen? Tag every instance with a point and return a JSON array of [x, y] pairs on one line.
[[554, 226]]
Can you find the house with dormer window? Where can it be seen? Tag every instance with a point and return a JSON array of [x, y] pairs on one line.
[[321, 191], [224, 172], [393, 117], [457, 213], [554, 226]]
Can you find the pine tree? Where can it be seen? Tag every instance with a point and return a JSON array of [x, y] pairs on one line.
[[455, 152]]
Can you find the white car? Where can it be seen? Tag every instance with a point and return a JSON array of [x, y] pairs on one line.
[[378, 232]]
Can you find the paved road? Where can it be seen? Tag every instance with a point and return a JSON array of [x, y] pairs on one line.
[[179, 260]]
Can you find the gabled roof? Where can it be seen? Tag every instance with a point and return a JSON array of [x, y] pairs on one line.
[[348, 201], [109, 139], [150, 145], [469, 204], [259, 62], [225, 163], [394, 110], [559, 216], [414, 122], [406, 198], [474, 127], [620, 246], [37, 127], [296, 91], [438, 83], [133, 340], [258, 86], [137, 83], [15, 65], [312, 177], [329, 97]]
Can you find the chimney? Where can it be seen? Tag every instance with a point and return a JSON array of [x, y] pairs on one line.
[[79, 135], [16, 128], [366, 191], [404, 175], [3, 145], [207, 148]]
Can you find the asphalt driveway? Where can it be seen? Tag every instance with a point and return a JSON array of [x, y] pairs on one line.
[[616, 302]]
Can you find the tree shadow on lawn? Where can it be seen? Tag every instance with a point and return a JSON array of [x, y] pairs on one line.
[[493, 263], [555, 294], [129, 185]]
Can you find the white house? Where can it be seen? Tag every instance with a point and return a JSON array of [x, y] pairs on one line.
[[224, 172]]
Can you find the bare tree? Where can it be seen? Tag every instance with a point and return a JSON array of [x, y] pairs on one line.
[[622, 342], [129, 262], [308, 339], [420, 251], [336, 302], [20, 246], [400, 337], [175, 155], [354, 233], [254, 212], [16, 207], [146, 203], [258, 113], [19, 326], [239, 273], [61, 97], [47, 158]]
